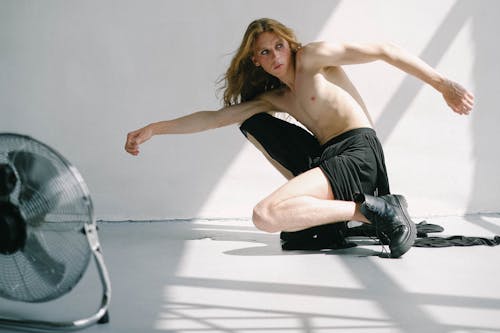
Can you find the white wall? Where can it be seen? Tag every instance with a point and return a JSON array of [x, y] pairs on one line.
[[79, 75]]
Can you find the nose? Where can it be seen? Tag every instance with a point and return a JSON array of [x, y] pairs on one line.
[[274, 54]]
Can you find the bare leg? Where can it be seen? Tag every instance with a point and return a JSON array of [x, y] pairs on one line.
[[303, 202]]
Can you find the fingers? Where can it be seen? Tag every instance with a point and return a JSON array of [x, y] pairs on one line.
[[132, 149], [469, 97], [137, 137], [131, 145], [467, 103], [463, 108], [459, 99]]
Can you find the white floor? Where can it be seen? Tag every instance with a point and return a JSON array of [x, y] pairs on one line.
[[225, 276]]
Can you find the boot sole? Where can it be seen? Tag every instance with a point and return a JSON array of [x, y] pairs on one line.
[[410, 240]]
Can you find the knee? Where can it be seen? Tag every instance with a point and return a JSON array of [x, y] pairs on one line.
[[263, 218]]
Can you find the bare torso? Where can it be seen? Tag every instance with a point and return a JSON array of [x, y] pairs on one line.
[[324, 101]]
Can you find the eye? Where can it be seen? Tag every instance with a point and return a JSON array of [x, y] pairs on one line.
[[279, 45], [264, 52]]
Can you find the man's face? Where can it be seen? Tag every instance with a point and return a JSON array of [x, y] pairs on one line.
[[272, 53]]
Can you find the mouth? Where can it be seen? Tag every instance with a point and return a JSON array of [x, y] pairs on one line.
[[277, 66]]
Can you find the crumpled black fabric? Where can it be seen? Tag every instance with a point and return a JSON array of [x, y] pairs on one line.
[[456, 241], [424, 240]]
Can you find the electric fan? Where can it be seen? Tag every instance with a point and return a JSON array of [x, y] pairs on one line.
[[47, 231]]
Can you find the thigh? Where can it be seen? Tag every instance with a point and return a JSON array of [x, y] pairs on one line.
[[312, 183]]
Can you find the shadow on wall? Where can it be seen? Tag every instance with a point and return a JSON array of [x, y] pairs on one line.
[[485, 122], [486, 183], [432, 54], [69, 68]]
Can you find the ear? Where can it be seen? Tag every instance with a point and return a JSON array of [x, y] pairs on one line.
[[255, 62]]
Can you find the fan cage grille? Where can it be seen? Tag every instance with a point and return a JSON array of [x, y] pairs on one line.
[[55, 204]]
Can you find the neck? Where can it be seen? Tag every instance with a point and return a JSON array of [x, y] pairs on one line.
[[289, 78]]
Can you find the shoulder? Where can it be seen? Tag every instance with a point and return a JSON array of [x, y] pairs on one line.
[[313, 55], [274, 98], [312, 49], [321, 54], [315, 47]]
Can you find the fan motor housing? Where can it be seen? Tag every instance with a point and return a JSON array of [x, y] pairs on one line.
[[12, 229], [8, 179]]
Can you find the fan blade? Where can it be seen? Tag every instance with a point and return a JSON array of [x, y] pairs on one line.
[[38, 194], [47, 268]]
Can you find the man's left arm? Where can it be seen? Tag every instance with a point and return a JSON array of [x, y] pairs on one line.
[[459, 99], [321, 54]]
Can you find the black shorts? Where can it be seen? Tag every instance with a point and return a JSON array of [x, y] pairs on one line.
[[354, 162]]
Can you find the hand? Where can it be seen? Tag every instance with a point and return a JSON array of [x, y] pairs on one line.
[[135, 138], [457, 97]]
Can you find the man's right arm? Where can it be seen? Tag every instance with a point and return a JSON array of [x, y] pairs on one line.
[[196, 122], [205, 120]]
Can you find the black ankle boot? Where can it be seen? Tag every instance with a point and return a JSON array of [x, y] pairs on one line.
[[390, 218]]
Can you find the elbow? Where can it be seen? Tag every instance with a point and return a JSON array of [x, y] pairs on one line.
[[219, 119]]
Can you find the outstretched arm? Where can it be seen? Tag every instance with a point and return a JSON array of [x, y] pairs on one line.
[[322, 54], [196, 122]]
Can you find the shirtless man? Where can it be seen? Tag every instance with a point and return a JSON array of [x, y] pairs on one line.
[[312, 87]]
